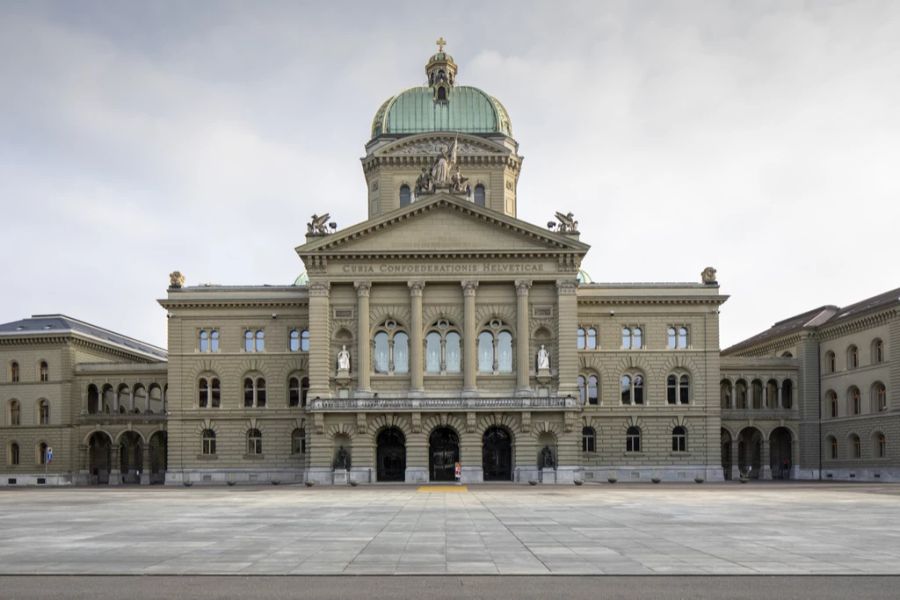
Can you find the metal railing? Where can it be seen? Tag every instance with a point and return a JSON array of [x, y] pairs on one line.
[[392, 404]]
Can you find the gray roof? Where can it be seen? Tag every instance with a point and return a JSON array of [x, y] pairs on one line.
[[820, 317], [61, 324]]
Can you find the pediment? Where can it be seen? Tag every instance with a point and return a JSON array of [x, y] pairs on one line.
[[443, 225], [433, 144]]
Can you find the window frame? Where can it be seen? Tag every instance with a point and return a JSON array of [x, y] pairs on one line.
[[208, 442], [679, 439], [588, 440], [256, 392], [254, 442], [633, 440], [636, 383]]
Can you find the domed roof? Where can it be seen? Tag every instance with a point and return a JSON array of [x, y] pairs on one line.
[[466, 110], [302, 279], [583, 277]]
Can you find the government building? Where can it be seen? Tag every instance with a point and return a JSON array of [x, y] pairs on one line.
[[443, 336]]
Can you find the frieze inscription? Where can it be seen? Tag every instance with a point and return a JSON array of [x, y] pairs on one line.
[[444, 269]]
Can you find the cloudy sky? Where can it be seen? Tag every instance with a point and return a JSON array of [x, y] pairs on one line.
[[136, 138]]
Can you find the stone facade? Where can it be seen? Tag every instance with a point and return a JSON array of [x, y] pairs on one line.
[[440, 333]]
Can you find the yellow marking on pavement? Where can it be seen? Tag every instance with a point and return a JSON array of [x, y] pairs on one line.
[[443, 488]]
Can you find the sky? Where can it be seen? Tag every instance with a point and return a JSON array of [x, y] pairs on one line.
[[758, 137]]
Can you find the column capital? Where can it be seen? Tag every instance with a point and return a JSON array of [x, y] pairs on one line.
[[416, 287], [566, 287], [362, 287], [522, 286], [319, 288], [469, 287]]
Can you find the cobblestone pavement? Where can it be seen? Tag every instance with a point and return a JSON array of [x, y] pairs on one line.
[[758, 528]]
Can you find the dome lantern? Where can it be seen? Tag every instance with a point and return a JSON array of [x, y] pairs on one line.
[[441, 72]]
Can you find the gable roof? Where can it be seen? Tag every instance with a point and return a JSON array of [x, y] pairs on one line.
[[342, 242], [62, 324]]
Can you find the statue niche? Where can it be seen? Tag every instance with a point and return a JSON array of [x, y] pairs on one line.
[[444, 174]]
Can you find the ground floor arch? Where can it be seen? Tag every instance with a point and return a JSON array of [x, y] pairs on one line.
[[99, 457], [496, 454], [391, 455], [158, 457], [727, 458], [131, 456], [443, 454], [780, 443], [750, 452]]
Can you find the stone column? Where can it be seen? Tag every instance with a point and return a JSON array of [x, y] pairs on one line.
[[567, 352], [363, 348], [145, 464], [779, 405], [115, 476], [765, 469], [416, 367], [523, 335], [320, 363], [735, 461], [469, 337]]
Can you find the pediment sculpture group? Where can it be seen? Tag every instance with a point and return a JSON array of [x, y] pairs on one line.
[[443, 174]]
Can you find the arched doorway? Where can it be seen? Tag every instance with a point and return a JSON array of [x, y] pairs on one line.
[[496, 454], [750, 452], [391, 455], [99, 457], [780, 453], [727, 460], [158, 456], [443, 453], [131, 457]]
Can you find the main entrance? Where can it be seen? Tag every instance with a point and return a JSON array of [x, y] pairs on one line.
[[496, 455], [391, 455], [443, 453]]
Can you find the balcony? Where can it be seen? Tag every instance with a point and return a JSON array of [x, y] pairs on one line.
[[442, 404]]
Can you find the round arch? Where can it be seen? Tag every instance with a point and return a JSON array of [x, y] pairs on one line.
[[443, 453], [497, 453], [390, 454]]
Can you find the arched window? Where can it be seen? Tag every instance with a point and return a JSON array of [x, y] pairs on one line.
[[391, 349], [140, 399], [682, 337], [304, 391], [405, 195], [853, 401], [42, 453], [254, 341], [401, 352], [787, 354], [671, 338], [254, 392], [879, 397], [479, 195], [382, 357], [632, 388], [44, 371], [433, 352], [830, 362], [248, 341], [15, 413], [880, 445], [679, 439], [254, 441], [204, 341], [14, 454], [43, 412], [582, 389], [632, 338], [852, 357], [124, 399], [831, 400], [593, 389], [260, 341], [93, 400], [581, 339], [833, 447], [452, 352], [855, 446], [214, 340], [633, 439], [298, 441], [14, 372], [740, 394], [725, 394], [787, 394], [588, 439], [208, 442], [591, 338], [877, 351], [678, 389], [495, 349], [155, 402], [209, 393], [442, 348], [299, 340]]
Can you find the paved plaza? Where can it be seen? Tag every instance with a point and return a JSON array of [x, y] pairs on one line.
[[759, 528]]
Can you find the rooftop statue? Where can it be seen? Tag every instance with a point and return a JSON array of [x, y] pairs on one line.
[[567, 223], [176, 280], [319, 225]]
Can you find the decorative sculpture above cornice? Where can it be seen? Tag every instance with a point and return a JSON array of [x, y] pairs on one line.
[[567, 223], [709, 276], [319, 225], [176, 280], [444, 174]]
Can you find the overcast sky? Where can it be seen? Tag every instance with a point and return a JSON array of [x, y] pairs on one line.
[[136, 138]]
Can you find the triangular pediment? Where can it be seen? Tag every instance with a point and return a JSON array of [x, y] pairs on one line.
[[434, 144], [444, 225]]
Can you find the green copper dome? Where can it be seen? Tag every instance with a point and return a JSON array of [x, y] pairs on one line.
[[466, 110]]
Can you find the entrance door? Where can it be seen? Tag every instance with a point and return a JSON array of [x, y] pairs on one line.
[[391, 455], [443, 453], [100, 449], [496, 455]]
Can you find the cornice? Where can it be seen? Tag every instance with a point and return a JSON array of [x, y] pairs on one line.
[[649, 300], [242, 303], [837, 330]]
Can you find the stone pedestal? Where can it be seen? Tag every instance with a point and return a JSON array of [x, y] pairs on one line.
[[548, 476], [543, 376], [342, 377], [340, 477], [472, 475]]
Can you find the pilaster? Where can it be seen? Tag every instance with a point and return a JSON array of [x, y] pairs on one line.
[[363, 360], [523, 334], [567, 359], [469, 336], [417, 369], [320, 366]]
